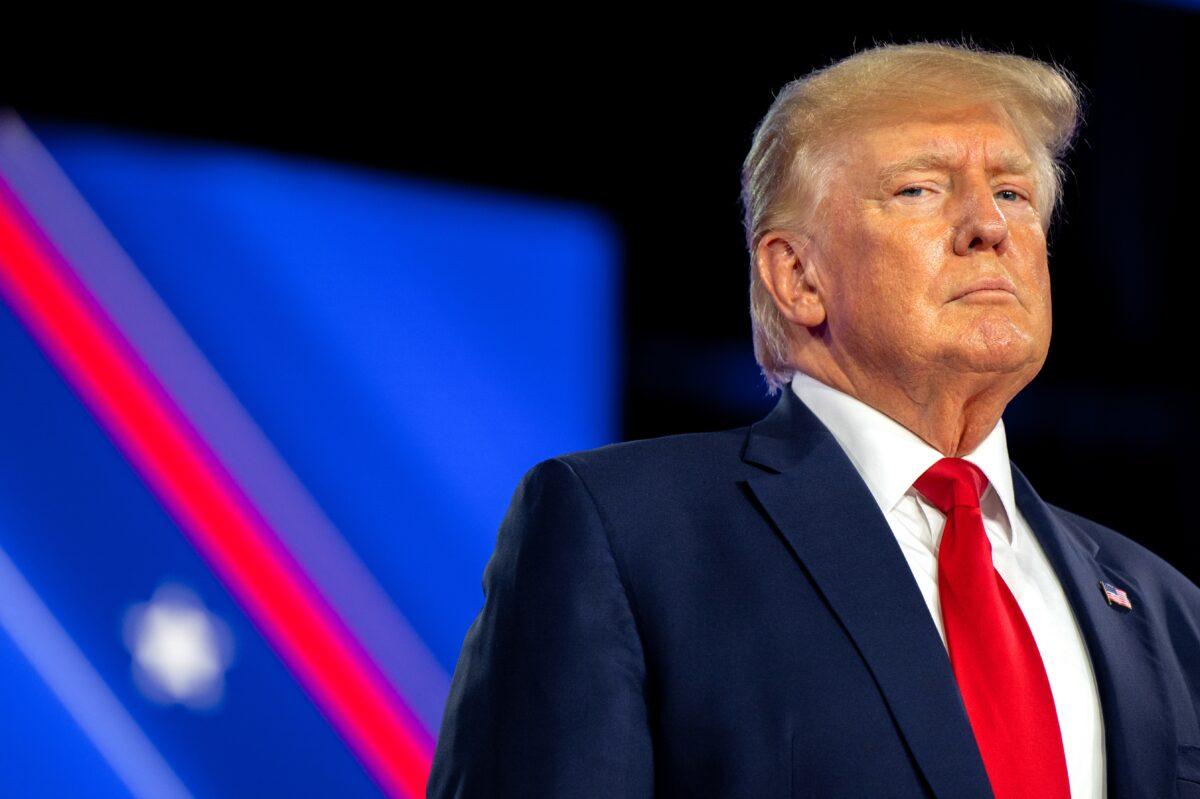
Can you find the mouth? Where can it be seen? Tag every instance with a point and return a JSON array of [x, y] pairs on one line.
[[988, 289]]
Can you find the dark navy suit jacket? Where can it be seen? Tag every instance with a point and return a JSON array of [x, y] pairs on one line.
[[729, 615]]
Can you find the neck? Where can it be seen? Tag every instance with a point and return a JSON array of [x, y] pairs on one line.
[[952, 412]]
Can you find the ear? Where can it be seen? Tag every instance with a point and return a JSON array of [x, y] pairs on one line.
[[784, 264]]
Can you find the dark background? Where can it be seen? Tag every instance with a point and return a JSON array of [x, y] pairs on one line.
[[649, 121]]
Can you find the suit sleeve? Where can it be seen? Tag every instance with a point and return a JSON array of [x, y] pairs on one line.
[[548, 695]]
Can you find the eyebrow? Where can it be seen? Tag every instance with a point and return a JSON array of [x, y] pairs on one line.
[[1010, 162]]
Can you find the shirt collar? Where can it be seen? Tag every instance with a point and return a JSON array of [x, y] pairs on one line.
[[889, 456]]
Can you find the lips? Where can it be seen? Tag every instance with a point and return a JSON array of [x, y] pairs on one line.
[[988, 284]]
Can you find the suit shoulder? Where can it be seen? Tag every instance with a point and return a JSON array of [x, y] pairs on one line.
[[631, 479], [1142, 562], [682, 452]]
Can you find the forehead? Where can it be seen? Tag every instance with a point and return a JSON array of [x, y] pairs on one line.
[[949, 139]]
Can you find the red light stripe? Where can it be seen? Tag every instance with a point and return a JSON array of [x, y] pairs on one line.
[[208, 506]]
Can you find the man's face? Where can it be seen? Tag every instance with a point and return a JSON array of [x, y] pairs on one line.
[[933, 255]]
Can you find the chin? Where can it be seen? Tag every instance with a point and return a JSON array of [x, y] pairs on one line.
[[1000, 359], [1006, 358], [998, 346], [993, 363]]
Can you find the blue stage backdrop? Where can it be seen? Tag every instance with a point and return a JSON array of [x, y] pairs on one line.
[[363, 364]]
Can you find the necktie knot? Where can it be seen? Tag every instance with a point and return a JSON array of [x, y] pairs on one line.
[[952, 483]]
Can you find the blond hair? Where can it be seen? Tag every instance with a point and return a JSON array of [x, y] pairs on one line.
[[786, 173]]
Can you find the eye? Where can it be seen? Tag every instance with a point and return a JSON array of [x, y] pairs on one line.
[[1014, 196], [903, 192]]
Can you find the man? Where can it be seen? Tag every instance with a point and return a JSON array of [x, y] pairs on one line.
[[858, 595]]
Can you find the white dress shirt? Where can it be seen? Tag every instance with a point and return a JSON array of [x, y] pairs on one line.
[[890, 458]]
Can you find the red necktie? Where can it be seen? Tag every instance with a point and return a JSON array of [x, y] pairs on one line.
[[995, 659]]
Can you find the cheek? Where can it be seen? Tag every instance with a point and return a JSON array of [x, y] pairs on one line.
[[1031, 254], [888, 282], [1042, 291], [883, 272], [908, 261]]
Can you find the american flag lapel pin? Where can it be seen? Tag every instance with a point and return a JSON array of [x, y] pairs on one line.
[[1117, 599]]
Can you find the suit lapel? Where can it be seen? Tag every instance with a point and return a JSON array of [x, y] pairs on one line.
[[1139, 741], [823, 509]]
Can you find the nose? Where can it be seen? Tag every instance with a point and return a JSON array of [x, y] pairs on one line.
[[981, 223]]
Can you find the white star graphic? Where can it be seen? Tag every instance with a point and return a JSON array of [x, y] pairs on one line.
[[180, 650]]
